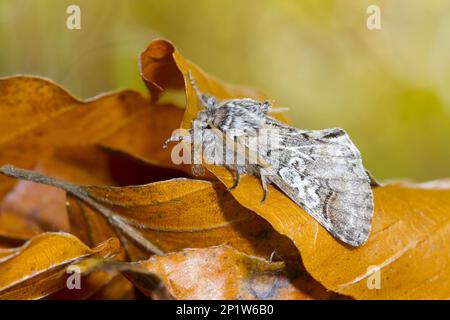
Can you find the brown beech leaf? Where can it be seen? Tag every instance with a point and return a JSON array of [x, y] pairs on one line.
[[410, 233], [44, 207], [90, 284], [166, 216], [219, 272], [98, 285], [144, 135], [162, 67], [6, 251], [152, 285], [119, 288], [409, 244], [190, 230], [37, 115], [38, 268], [38, 206], [17, 229], [92, 228], [172, 215]]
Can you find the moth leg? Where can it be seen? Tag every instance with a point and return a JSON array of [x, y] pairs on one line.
[[236, 180], [264, 186], [173, 139], [198, 170]]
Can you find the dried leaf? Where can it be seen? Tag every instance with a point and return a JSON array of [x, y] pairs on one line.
[[44, 207], [37, 115], [409, 243], [38, 268], [151, 284], [119, 288], [143, 136], [167, 216], [17, 229], [218, 273], [6, 252], [409, 239], [162, 67], [36, 204], [92, 228], [98, 285]]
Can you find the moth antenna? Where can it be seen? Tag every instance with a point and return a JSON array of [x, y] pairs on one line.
[[206, 100], [194, 85], [278, 110]]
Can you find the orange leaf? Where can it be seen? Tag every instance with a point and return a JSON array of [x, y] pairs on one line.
[[38, 268], [6, 251], [98, 285], [119, 288], [14, 228], [167, 216], [410, 233], [37, 115], [144, 135], [219, 273], [162, 67], [43, 207]]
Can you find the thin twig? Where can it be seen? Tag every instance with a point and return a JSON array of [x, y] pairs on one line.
[[79, 192]]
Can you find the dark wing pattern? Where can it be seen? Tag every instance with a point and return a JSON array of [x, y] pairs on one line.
[[322, 172]]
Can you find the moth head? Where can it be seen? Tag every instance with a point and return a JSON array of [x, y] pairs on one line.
[[239, 115], [205, 117], [208, 101]]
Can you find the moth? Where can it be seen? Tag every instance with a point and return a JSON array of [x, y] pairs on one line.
[[320, 170]]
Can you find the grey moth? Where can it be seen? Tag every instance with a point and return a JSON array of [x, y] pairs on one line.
[[320, 170]]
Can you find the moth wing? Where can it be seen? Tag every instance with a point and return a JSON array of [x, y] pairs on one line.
[[322, 172]]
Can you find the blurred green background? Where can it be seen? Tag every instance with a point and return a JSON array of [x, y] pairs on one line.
[[389, 88]]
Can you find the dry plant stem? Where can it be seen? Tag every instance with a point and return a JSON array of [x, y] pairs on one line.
[[77, 191]]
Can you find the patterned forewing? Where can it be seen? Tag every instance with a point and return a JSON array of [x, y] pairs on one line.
[[322, 172]]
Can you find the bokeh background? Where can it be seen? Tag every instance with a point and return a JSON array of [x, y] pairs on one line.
[[389, 88]]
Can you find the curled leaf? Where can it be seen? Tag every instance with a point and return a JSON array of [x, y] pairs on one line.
[[217, 273], [162, 68], [410, 232], [222, 273], [36, 115], [167, 216], [38, 268], [144, 135], [42, 207], [17, 229]]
